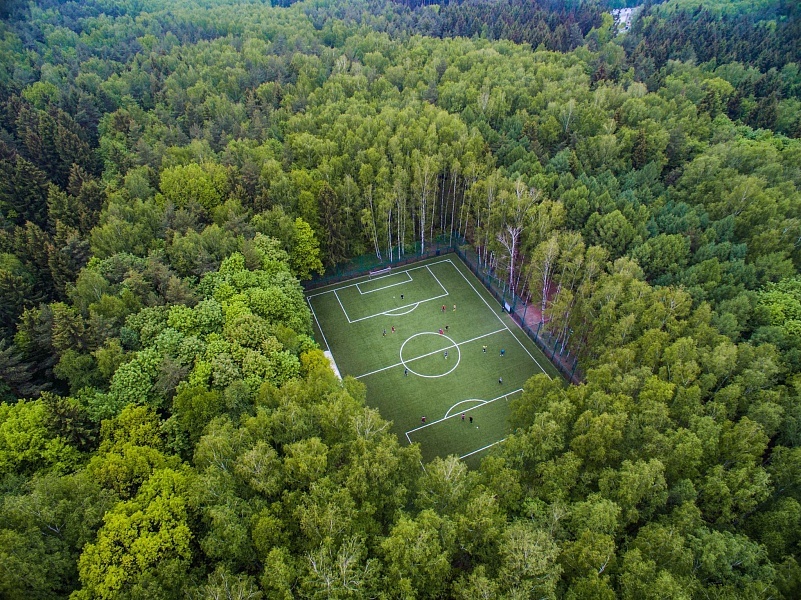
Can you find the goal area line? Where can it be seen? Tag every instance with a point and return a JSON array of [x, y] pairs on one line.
[[362, 278], [385, 287], [392, 311]]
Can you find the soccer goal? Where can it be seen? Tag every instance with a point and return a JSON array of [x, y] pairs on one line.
[[380, 272]]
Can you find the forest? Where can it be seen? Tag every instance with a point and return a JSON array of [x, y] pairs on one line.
[[171, 172]]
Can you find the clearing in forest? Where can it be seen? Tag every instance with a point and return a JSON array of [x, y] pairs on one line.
[[429, 341]]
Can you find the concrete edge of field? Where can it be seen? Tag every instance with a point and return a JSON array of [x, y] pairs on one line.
[[334, 367]]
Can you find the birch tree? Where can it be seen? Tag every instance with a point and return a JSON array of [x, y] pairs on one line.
[[425, 175], [543, 266], [483, 212], [368, 213], [399, 187], [516, 209]]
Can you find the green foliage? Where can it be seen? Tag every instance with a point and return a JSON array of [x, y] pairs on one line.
[[195, 408], [45, 529], [168, 171], [304, 255], [27, 445], [144, 542], [134, 227], [206, 185]]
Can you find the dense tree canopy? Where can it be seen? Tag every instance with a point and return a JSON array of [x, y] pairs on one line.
[[171, 171]]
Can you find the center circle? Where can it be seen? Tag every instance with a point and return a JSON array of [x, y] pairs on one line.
[[440, 335]]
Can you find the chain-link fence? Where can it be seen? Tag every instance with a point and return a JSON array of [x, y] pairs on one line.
[[526, 315], [523, 313], [362, 265]]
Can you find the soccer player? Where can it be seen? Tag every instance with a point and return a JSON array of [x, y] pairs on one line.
[[422, 419], [393, 329], [500, 379], [443, 308], [401, 296], [462, 417], [503, 352], [484, 348], [406, 371], [454, 307], [446, 328], [446, 354], [471, 420], [440, 331], [385, 332]]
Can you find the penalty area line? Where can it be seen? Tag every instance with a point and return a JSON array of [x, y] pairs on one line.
[[390, 313], [480, 402], [481, 449], [444, 289], [381, 314], [445, 418]]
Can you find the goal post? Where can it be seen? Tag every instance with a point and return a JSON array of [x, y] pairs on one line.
[[380, 272]]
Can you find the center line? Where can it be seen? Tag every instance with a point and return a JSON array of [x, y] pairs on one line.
[[430, 353]]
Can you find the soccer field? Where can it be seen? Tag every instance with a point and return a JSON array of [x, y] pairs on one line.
[[429, 342]]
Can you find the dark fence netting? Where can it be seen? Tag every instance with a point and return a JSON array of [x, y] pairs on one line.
[[362, 265], [524, 313]]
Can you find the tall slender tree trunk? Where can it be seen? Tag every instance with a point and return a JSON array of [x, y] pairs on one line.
[[373, 227], [390, 252], [442, 217]]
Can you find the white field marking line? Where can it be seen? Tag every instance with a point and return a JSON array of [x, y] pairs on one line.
[[466, 411], [396, 314], [429, 354], [448, 413], [342, 307], [501, 320], [444, 289], [386, 287], [381, 314], [363, 276], [319, 326], [445, 349], [333, 363], [524, 348], [385, 313], [480, 449]]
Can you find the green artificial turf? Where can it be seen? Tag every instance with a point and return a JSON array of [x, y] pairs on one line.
[[351, 318]]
